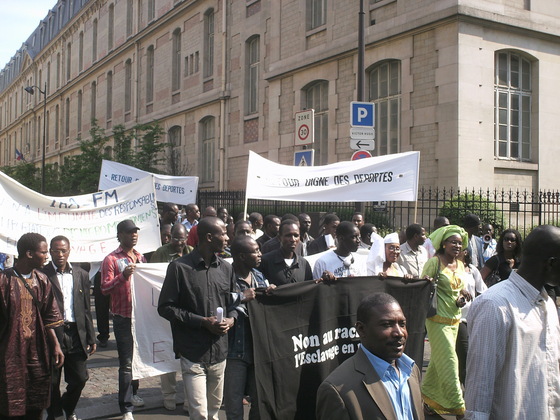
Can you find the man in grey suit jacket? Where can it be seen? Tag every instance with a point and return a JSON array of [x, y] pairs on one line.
[[379, 381], [71, 288]]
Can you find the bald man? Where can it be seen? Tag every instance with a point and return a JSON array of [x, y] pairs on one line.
[[514, 339]]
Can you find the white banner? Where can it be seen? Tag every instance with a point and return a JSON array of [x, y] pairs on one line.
[[384, 178], [89, 221], [153, 344], [169, 189]]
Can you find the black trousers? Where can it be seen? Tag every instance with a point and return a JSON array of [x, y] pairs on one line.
[[75, 373], [102, 304]]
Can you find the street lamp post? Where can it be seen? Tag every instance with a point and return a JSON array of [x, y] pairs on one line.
[[30, 90]]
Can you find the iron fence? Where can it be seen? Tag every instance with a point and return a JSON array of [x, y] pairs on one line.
[[521, 210]]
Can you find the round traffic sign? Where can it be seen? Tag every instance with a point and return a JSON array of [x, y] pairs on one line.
[[303, 132], [360, 154]]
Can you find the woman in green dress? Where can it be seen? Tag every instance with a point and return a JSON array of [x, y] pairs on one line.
[[441, 389]]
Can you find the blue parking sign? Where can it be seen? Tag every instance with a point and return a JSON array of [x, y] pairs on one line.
[[363, 114]]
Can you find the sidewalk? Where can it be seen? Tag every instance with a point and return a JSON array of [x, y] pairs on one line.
[[99, 397]]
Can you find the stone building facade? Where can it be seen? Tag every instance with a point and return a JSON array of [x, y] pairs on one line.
[[471, 84]]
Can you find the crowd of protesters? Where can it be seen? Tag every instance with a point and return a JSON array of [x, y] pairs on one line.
[[215, 347]]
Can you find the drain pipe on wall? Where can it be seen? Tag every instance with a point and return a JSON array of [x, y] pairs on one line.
[[223, 100]]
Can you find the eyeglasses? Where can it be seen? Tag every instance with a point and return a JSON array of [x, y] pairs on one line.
[[178, 239], [510, 239], [394, 248]]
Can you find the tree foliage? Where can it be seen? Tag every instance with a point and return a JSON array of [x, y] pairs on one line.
[[459, 206], [79, 174]]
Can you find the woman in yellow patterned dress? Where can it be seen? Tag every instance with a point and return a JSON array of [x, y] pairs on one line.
[[441, 389]]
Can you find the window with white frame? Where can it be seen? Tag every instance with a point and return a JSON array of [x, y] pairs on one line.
[[81, 52], [207, 155], [111, 27], [316, 96], [176, 61], [316, 13], [208, 70], [252, 87], [93, 103], [127, 85], [109, 96], [150, 74], [385, 92], [512, 107], [94, 41], [79, 111]]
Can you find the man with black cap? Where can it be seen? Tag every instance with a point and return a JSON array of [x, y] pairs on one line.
[[116, 274]]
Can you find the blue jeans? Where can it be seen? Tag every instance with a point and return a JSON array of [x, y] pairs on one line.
[[240, 377], [122, 328]]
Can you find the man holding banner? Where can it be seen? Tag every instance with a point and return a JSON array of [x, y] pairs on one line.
[[197, 298], [116, 275]]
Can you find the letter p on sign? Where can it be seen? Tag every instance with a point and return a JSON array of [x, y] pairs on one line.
[[363, 114]]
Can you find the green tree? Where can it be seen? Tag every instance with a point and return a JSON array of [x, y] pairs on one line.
[[80, 173], [122, 150], [25, 173], [459, 206], [150, 152]]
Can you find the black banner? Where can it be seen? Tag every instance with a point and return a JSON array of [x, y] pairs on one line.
[[303, 331]]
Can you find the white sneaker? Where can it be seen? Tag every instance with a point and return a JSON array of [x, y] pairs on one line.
[[137, 401], [127, 416], [170, 405]]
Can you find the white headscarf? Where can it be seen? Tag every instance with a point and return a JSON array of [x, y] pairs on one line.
[[376, 256]]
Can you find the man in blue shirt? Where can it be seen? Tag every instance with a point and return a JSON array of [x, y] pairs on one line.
[[379, 381]]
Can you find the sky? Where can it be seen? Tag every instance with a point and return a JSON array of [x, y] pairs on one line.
[[18, 19]]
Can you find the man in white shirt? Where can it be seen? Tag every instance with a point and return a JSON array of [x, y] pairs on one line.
[[340, 262], [413, 255], [513, 364], [192, 216]]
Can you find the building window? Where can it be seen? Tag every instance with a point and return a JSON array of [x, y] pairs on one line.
[[109, 95], [129, 14], [150, 74], [513, 95], [111, 27], [67, 120], [385, 92], [316, 13], [68, 61], [174, 141], [58, 70], [207, 141], [93, 108], [48, 77], [94, 41], [151, 10], [176, 61], [127, 85], [56, 125], [81, 52], [316, 96], [252, 87], [208, 43], [79, 116]]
